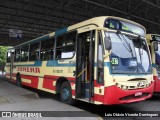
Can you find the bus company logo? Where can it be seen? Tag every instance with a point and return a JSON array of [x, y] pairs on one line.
[[29, 69], [141, 84]]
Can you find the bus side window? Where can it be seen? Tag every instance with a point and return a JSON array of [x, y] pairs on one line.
[[24, 53], [17, 55], [69, 50], [8, 57], [34, 52], [65, 47], [59, 46], [47, 49]]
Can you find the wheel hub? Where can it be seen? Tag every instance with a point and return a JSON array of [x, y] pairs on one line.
[[65, 94]]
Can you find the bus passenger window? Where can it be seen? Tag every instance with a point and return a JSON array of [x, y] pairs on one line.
[[66, 45], [47, 49], [58, 53], [34, 52], [60, 45], [24, 53], [17, 55], [8, 57]]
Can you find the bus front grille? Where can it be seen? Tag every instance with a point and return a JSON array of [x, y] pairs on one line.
[[133, 96]]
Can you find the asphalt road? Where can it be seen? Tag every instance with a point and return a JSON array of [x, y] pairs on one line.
[[151, 106]]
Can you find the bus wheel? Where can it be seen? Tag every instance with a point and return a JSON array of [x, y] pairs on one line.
[[66, 94], [18, 81]]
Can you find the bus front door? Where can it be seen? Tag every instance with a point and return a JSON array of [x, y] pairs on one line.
[[85, 65]]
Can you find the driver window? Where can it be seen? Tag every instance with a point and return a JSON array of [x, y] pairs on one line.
[[100, 59]]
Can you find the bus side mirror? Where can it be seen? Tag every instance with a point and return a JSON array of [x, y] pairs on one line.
[[155, 45], [108, 45]]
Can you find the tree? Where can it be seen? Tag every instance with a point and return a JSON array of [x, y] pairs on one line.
[[3, 51]]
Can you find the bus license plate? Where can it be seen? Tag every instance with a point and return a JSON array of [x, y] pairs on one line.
[[138, 93]]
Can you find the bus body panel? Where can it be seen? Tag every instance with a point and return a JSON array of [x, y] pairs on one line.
[[44, 75], [115, 95], [154, 65], [156, 84]]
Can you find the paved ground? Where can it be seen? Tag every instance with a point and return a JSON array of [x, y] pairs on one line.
[[14, 98], [50, 102], [151, 106]]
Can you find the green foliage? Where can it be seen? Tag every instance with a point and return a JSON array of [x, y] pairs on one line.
[[3, 51]]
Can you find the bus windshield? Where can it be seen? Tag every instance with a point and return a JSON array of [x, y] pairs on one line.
[[129, 54], [158, 59]]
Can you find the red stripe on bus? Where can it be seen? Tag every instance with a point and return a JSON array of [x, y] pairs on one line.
[[56, 77], [71, 78], [7, 74], [48, 84], [14, 75], [73, 92], [97, 84], [99, 98], [34, 81], [72, 83], [51, 76]]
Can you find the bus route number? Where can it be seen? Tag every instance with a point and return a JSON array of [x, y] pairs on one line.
[[114, 61]]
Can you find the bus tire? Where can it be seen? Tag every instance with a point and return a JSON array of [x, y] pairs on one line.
[[18, 81], [66, 94]]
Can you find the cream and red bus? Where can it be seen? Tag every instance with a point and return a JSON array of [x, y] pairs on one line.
[[154, 44], [103, 60]]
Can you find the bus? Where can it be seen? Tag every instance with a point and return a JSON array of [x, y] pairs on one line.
[[103, 60], [154, 44]]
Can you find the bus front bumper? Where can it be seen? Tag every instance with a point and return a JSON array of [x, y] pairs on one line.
[[115, 95]]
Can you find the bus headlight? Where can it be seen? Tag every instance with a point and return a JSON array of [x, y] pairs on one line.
[[125, 87]]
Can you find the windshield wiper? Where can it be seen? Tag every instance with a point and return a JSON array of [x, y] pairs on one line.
[[129, 46], [125, 43], [140, 47]]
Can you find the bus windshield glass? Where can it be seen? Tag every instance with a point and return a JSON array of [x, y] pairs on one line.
[[158, 59], [129, 54]]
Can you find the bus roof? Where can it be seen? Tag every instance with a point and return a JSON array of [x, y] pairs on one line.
[[98, 21]]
